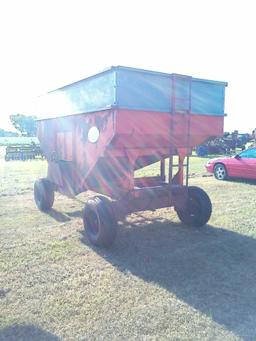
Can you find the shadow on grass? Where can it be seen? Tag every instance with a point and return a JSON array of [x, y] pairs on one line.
[[4, 292], [211, 269], [57, 215], [64, 217], [75, 214], [26, 333], [243, 181]]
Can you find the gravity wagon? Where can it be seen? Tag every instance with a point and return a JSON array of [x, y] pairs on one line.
[[98, 131]]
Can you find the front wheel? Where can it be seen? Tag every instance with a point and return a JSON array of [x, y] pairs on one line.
[[99, 221], [220, 172], [43, 194], [198, 209]]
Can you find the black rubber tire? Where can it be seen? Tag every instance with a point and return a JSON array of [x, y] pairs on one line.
[[43, 194], [99, 221], [198, 210], [220, 172]]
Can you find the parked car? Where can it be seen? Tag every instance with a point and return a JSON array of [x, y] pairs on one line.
[[242, 165]]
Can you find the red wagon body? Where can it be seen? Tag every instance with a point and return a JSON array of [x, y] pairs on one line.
[[100, 150]]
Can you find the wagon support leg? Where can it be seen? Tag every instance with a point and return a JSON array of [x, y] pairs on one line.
[[178, 178]]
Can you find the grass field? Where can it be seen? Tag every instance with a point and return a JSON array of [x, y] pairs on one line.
[[161, 280], [8, 141]]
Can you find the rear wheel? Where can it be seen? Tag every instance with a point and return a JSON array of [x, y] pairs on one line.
[[43, 194], [198, 209], [220, 172], [99, 221]]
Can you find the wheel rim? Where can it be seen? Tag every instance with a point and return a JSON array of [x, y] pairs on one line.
[[220, 172]]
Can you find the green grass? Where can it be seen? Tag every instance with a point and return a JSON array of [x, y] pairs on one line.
[[8, 141], [161, 280], [18, 177]]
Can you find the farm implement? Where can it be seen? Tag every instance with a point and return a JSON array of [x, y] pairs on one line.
[[23, 152], [100, 130], [226, 144]]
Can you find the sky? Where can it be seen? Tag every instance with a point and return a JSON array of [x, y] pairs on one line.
[[48, 44]]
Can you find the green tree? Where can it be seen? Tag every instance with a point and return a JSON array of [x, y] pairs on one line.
[[25, 124]]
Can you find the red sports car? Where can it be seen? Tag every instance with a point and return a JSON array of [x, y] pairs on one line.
[[242, 165]]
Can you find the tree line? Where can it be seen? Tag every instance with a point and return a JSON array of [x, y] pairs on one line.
[[25, 125]]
